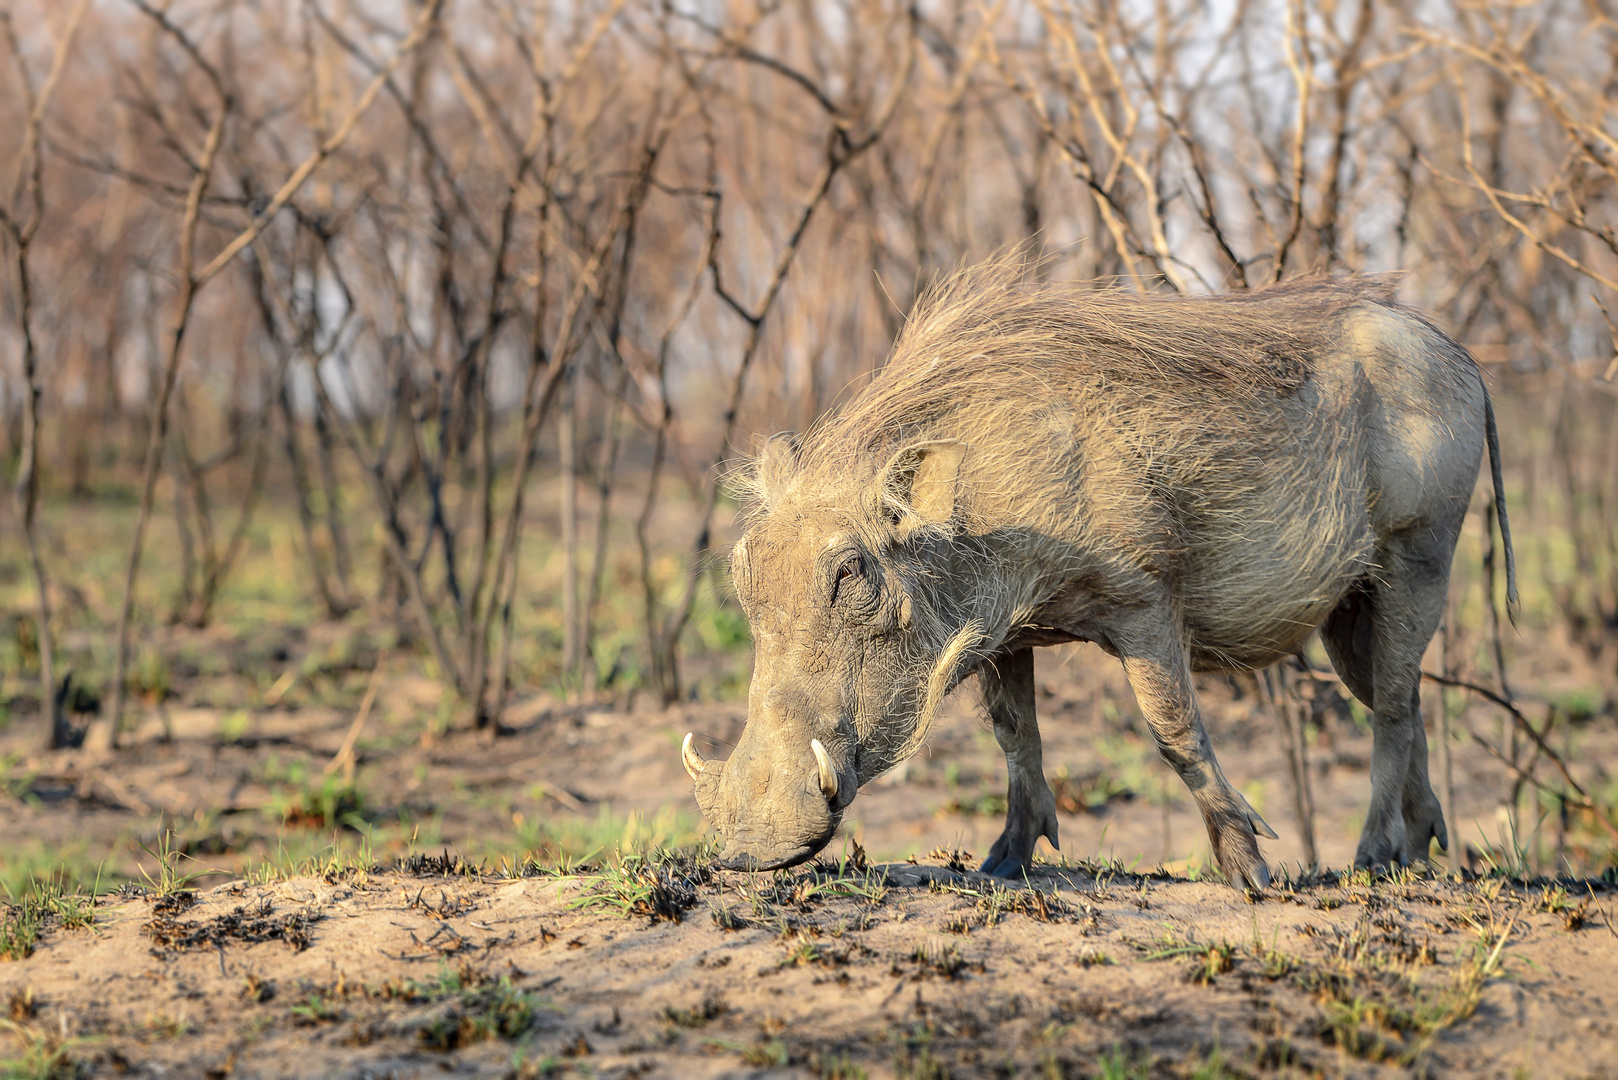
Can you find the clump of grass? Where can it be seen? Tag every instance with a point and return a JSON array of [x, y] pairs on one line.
[[316, 1007], [1212, 962], [479, 1008], [836, 1068], [770, 1054], [1275, 964], [802, 950], [728, 918], [958, 861], [1214, 1067], [844, 881], [709, 1008], [997, 900], [1556, 901], [1092, 957], [916, 1062], [494, 1010], [939, 958], [256, 991], [44, 904], [307, 800], [1090, 793], [562, 846], [161, 1025], [69, 865], [168, 880], [1393, 1018], [19, 932], [656, 885], [1115, 1065], [1208, 960], [43, 1055]]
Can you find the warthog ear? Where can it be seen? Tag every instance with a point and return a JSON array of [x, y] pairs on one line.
[[921, 479], [775, 465]]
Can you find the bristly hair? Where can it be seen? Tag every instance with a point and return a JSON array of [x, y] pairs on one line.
[[988, 333]]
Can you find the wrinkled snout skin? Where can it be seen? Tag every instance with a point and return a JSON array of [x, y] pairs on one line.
[[767, 803]]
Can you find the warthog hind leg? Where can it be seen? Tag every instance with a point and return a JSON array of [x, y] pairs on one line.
[[1154, 657], [1375, 639], [1008, 693]]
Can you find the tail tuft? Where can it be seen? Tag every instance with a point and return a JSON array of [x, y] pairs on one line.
[[1492, 433]]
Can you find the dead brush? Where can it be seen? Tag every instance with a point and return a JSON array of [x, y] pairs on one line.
[[246, 924], [959, 861], [445, 864]]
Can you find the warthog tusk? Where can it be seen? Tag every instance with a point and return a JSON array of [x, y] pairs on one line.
[[693, 760], [828, 773]]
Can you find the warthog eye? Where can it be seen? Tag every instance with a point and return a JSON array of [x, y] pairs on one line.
[[850, 567]]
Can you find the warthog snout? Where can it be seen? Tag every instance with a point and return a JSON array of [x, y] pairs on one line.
[[775, 805]]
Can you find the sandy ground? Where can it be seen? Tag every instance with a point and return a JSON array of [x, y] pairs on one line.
[[899, 970]]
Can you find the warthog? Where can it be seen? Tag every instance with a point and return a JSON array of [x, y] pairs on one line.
[[1194, 484]]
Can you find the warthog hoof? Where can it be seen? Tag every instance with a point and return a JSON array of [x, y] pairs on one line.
[[1012, 855], [1403, 839], [1236, 851]]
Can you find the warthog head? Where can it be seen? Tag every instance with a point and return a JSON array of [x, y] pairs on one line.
[[843, 575]]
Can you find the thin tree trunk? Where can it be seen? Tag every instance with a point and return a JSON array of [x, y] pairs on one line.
[[20, 232], [1446, 762], [334, 507], [188, 547], [27, 498], [219, 567], [108, 735], [567, 439], [612, 442], [1273, 683], [306, 519]]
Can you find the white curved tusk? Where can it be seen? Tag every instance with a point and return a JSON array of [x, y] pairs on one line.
[[828, 773], [693, 760]]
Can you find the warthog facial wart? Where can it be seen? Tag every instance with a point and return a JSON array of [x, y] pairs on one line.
[[1193, 483]]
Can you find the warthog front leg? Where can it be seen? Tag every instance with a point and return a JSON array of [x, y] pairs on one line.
[[1008, 693], [1155, 660]]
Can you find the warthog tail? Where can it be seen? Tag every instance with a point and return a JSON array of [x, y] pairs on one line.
[[1492, 433]]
